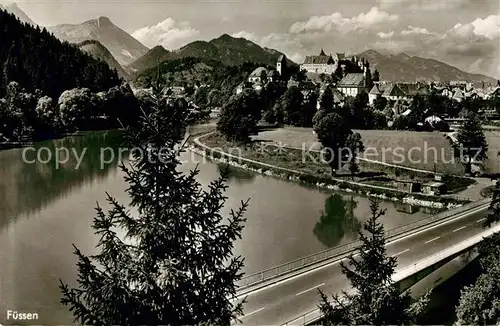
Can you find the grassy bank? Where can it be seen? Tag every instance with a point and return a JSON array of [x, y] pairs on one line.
[[308, 172], [419, 149], [311, 163]]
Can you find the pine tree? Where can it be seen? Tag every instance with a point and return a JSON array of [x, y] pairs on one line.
[[376, 300], [175, 266], [494, 209], [471, 142]]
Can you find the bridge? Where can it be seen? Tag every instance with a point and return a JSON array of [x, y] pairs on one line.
[[288, 294]]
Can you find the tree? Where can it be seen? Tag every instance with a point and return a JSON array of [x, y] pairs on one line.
[[376, 300], [338, 73], [355, 146], [239, 117], [376, 76], [174, 264], [494, 209], [479, 303], [75, 106], [270, 95], [201, 96], [471, 142], [120, 103], [309, 110], [332, 133], [289, 106], [380, 103], [355, 108], [326, 100], [46, 112]]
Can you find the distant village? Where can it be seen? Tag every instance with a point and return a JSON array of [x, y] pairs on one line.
[[350, 76]]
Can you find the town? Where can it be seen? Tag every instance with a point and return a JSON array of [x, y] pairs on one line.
[[283, 163]]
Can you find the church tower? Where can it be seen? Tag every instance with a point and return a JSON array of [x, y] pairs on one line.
[[281, 65]]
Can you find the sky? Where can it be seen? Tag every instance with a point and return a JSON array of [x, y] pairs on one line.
[[464, 33]]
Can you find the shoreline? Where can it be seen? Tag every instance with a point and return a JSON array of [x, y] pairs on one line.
[[323, 183]]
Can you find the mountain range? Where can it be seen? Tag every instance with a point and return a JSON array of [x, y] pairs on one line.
[[122, 45], [226, 49], [403, 67], [135, 57], [14, 9]]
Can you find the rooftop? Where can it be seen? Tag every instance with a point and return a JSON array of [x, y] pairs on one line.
[[394, 90], [258, 72], [353, 79]]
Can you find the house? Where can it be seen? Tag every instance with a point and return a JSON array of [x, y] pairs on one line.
[[458, 95], [434, 188], [406, 208], [319, 64], [414, 89], [375, 93], [353, 84], [495, 93], [259, 75], [243, 86], [340, 57], [273, 76], [408, 186], [338, 97], [394, 93]]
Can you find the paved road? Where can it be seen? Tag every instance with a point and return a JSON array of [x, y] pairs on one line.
[[296, 296]]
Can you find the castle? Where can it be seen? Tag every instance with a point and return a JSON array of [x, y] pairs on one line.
[[322, 63]]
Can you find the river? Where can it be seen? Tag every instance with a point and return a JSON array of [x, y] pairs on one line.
[[44, 209]]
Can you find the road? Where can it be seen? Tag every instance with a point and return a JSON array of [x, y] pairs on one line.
[[291, 298]]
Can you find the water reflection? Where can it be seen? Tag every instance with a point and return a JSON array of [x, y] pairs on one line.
[[30, 187], [236, 175], [338, 221]]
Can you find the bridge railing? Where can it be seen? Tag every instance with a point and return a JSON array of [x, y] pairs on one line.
[[322, 256], [315, 314]]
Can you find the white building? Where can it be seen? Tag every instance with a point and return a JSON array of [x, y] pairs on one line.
[[353, 84], [319, 64]]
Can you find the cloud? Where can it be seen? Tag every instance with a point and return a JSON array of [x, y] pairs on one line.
[[386, 35], [337, 22], [411, 30], [429, 5], [488, 27], [472, 46], [168, 33]]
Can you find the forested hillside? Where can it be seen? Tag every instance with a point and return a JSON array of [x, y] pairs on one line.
[[35, 59], [100, 52], [221, 79]]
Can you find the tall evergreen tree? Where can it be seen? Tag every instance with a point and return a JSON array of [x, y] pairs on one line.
[[376, 299], [174, 263], [471, 142]]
